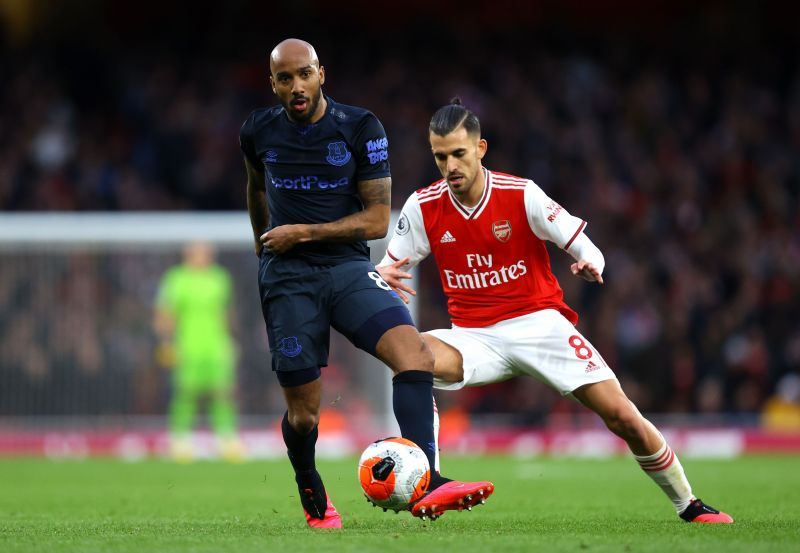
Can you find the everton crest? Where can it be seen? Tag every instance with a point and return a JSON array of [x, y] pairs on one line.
[[502, 230], [338, 154], [289, 346]]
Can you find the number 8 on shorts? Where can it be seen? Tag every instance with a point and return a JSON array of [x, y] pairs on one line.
[[582, 351]]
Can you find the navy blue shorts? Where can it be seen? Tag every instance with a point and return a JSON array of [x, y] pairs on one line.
[[302, 301]]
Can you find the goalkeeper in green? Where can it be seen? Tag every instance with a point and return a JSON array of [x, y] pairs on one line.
[[191, 320]]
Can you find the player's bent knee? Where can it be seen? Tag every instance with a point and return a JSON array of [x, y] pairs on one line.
[[303, 404], [403, 349], [448, 373], [448, 363], [303, 422]]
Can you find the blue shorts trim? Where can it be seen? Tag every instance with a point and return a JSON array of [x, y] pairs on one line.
[[290, 379], [368, 334]]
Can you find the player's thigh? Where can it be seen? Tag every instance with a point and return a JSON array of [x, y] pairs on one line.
[[481, 360], [295, 305], [547, 346], [372, 316], [403, 349]]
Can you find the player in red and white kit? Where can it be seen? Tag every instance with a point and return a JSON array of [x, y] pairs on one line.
[[486, 231]]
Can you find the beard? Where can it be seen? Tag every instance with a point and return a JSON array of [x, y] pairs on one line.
[[308, 113]]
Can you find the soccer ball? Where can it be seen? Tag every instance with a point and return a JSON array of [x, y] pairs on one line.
[[394, 472]]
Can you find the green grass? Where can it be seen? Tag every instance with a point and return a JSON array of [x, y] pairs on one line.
[[540, 505]]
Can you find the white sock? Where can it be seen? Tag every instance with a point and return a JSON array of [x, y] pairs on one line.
[[665, 469], [436, 435]]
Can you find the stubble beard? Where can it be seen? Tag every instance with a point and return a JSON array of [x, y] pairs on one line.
[[305, 118]]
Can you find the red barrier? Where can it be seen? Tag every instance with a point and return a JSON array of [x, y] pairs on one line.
[[731, 442]]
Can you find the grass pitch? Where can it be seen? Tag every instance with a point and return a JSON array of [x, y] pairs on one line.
[[540, 504]]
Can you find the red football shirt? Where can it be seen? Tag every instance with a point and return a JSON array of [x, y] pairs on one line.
[[492, 259]]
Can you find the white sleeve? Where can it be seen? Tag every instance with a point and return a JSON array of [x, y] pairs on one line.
[[583, 248], [409, 239], [550, 221]]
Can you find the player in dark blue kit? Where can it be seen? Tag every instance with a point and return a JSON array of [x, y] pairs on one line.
[[318, 187]]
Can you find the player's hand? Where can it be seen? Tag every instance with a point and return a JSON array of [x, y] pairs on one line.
[[283, 238], [586, 271], [394, 275]]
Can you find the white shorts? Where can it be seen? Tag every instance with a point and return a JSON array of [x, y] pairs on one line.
[[543, 344]]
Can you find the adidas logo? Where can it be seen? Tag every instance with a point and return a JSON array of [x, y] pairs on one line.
[[591, 366], [447, 237]]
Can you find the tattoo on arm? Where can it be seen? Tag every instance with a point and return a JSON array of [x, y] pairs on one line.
[[375, 192], [369, 223]]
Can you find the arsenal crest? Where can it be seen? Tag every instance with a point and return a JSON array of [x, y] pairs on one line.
[[502, 230]]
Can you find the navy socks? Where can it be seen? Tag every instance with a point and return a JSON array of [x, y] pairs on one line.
[[301, 454], [412, 399]]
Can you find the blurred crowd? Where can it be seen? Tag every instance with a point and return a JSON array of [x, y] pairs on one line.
[[685, 164]]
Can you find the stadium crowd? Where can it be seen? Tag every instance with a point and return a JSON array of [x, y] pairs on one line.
[[685, 166]]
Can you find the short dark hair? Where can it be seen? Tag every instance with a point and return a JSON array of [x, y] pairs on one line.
[[448, 118]]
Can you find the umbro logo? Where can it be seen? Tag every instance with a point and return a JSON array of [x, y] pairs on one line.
[[447, 237]]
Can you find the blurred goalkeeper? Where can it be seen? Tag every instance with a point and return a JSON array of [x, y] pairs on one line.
[[192, 323]]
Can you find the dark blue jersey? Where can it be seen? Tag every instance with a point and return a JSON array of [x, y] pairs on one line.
[[311, 171]]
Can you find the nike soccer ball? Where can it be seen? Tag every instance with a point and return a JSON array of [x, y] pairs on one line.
[[393, 472]]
